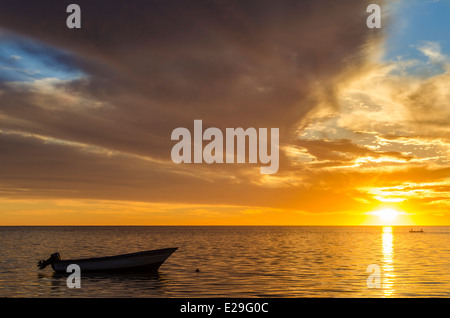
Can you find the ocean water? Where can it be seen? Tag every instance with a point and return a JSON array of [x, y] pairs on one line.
[[234, 261]]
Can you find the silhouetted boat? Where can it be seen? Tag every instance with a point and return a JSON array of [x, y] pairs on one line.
[[412, 231], [140, 261]]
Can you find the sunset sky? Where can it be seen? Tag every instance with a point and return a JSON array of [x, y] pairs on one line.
[[86, 114]]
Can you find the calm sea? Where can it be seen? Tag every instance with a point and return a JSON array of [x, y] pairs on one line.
[[234, 261]]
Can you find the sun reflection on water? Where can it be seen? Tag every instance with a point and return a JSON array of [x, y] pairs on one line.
[[388, 262]]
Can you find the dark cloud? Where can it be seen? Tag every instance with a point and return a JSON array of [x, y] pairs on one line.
[[153, 66], [226, 62]]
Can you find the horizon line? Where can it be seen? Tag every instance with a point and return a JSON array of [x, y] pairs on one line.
[[223, 225]]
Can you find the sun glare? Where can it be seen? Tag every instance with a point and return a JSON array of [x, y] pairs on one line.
[[387, 215]]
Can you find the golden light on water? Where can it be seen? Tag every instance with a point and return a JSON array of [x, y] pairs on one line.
[[388, 262]]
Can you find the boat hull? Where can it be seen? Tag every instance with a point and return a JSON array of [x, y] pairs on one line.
[[148, 261]]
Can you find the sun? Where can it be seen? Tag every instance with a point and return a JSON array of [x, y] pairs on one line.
[[387, 215]]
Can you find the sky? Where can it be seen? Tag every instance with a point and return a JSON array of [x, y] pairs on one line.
[[86, 114]]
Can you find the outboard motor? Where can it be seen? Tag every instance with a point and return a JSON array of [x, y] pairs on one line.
[[54, 258]]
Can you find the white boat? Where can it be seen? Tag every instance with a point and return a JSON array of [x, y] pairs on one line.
[[140, 261]]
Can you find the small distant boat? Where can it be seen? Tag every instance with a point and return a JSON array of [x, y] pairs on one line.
[[133, 262], [413, 231]]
